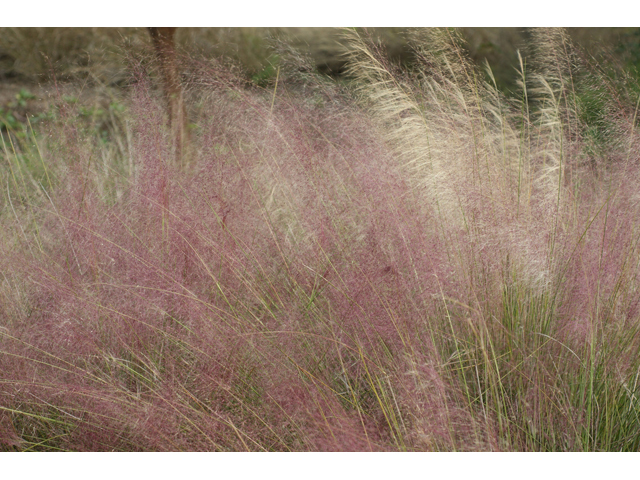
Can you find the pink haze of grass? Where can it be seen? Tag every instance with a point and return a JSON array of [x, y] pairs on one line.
[[297, 288]]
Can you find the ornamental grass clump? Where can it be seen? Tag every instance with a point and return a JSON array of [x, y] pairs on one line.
[[410, 261]]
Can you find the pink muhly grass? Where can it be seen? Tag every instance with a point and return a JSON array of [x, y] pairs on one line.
[[435, 269]]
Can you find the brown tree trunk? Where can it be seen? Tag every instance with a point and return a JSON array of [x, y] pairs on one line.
[[164, 45]]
